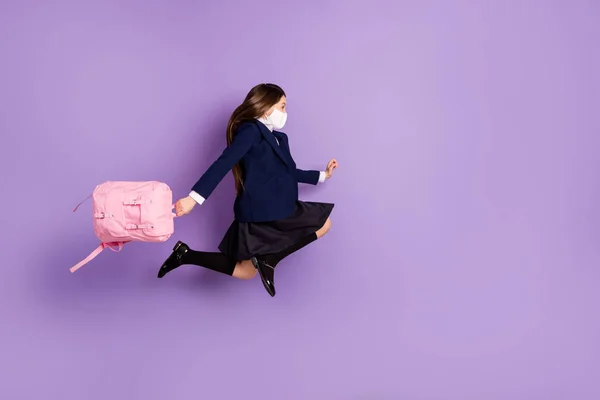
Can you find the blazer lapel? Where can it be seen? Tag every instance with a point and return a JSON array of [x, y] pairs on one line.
[[285, 149], [270, 137]]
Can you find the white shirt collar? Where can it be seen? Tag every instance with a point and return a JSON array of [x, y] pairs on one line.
[[269, 127], [265, 123]]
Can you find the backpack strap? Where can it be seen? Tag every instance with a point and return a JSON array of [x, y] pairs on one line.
[[98, 250]]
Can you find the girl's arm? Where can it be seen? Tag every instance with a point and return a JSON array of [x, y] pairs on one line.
[[247, 136], [311, 177]]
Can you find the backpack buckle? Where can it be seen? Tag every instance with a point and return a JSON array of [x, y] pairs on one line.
[[136, 202], [138, 226], [103, 215]]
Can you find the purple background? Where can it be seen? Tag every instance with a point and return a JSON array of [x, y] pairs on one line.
[[463, 262]]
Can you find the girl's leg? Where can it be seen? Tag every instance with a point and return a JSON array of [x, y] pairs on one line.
[[266, 264], [324, 229], [274, 259], [244, 270], [216, 261]]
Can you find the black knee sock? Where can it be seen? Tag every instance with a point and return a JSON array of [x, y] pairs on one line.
[[274, 259], [215, 261]]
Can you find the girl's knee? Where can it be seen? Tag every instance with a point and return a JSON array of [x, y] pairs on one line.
[[324, 229], [244, 270]]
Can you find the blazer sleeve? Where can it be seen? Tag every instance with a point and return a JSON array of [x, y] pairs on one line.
[[246, 137], [310, 177], [303, 176]]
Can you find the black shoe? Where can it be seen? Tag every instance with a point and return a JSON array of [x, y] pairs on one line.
[[267, 274], [174, 259]]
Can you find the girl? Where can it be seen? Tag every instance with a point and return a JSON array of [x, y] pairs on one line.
[[270, 222]]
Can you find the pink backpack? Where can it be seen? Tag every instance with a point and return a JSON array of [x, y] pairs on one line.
[[130, 211]]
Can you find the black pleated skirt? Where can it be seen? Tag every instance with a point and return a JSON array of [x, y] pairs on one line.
[[243, 240]]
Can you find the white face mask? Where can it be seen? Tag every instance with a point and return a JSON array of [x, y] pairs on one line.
[[277, 119]]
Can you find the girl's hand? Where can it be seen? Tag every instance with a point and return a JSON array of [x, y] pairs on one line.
[[184, 206], [331, 165]]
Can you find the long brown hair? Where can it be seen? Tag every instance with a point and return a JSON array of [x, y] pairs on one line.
[[257, 102]]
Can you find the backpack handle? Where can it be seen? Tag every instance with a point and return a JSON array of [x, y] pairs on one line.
[[82, 201]]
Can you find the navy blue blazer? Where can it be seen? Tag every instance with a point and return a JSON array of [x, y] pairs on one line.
[[269, 174]]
